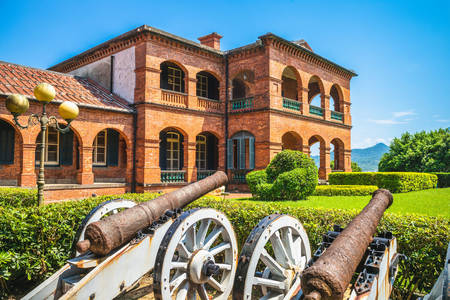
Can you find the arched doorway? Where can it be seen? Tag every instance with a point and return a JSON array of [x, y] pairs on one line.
[[322, 153], [171, 155], [316, 97], [241, 155], [10, 151], [207, 85], [290, 89], [338, 155], [206, 154], [242, 90], [291, 140]]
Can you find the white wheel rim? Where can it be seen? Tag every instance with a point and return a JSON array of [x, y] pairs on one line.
[[202, 231], [281, 279]]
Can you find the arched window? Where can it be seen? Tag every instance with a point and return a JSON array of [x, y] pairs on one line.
[[171, 150], [239, 89], [335, 101], [106, 148], [7, 136], [289, 85], [201, 152], [51, 156], [172, 77], [241, 151], [207, 86]]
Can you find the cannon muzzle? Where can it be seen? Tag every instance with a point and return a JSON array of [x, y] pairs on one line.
[[330, 275], [111, 232]]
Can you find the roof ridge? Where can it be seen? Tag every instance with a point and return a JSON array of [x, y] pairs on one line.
[[2, 62]]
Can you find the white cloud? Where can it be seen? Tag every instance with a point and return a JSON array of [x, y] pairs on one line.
[[399, 114], [387, 122], [443, 121]]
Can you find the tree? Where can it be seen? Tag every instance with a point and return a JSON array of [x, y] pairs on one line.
[[355, 167], [419, 152]]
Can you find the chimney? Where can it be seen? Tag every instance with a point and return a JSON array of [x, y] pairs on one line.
[[211, 40]]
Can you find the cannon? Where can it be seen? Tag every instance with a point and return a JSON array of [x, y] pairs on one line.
[[194, 254]]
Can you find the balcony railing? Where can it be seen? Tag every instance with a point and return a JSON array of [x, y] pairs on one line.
[[291, 104], [174, 98], [238, 176], [335, 115], [201, 174], [241, 104], [208, 104], [315, 110], [173, 176]]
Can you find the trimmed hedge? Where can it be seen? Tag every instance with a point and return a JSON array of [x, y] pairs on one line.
[[36, 241], [396, 182], [344, 190], [18, 197], [443, 179]]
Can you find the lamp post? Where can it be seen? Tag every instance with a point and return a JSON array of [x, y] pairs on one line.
[[44, 93]]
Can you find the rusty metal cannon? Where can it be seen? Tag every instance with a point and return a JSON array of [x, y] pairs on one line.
[[194, 255]]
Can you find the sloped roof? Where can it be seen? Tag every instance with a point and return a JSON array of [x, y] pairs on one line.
[[17, 79]]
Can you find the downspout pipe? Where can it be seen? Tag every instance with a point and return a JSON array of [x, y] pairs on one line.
[[226, 111], [133, 179], [111, 73]]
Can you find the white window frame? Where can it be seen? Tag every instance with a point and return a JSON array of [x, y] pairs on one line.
[[38, 147], [202, 86], [201, 148], [96, 146], [174, 79], [172, 151]]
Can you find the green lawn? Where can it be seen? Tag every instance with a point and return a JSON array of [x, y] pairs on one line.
[[433, 202]]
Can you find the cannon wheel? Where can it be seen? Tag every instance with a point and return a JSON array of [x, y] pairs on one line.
[[97, 213], [272, 259], [197, 257]]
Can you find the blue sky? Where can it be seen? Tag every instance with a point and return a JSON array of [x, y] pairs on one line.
[[400, 49]]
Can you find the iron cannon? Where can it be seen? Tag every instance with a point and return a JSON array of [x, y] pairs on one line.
[[194, 254]]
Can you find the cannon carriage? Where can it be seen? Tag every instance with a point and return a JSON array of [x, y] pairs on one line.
[[194, 254]]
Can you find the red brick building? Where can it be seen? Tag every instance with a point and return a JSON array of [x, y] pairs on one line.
[[157, 111]]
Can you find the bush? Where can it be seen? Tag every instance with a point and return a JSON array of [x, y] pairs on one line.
[[344, 190], [422, 239], [18, 197], [254, 178], [288, 160], [294, 185], [396, 182], [443, 179], [291, 175]]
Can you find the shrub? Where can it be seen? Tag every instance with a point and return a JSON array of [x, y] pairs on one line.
[[344, 190], [291, 175], [254, 178], [396, 182], [422, 239], [288, 160], [18, 197], [443, 179], [294, 185]]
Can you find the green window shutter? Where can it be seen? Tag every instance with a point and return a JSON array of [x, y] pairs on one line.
[[241, 153], [66, 148], [162, 150], [251, 151], [7, 136], [230, 154], [112, 154]]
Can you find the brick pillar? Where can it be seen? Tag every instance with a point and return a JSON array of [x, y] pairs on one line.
[[324, 169], [192, 92], [347, 158], [85, 175], [221, 155], [306, 149], [347, 115], [326, 107], [27, 176], [189, 161], [305, 103]]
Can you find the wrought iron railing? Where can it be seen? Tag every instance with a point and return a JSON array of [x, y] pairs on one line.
[[335, 115], [315, 110], [201, 174], [291, 104], [240, 104], [173, 176], [238, 176]]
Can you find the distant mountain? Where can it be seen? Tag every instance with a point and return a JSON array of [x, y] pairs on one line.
[[367, 158]]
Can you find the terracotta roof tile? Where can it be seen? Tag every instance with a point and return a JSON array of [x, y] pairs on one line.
[[21, 79]]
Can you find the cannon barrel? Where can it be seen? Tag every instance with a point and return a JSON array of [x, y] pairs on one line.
[[111, 232], [330, 275]]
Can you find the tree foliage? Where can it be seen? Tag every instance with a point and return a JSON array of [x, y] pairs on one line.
[[419, 152], [355, 166]]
